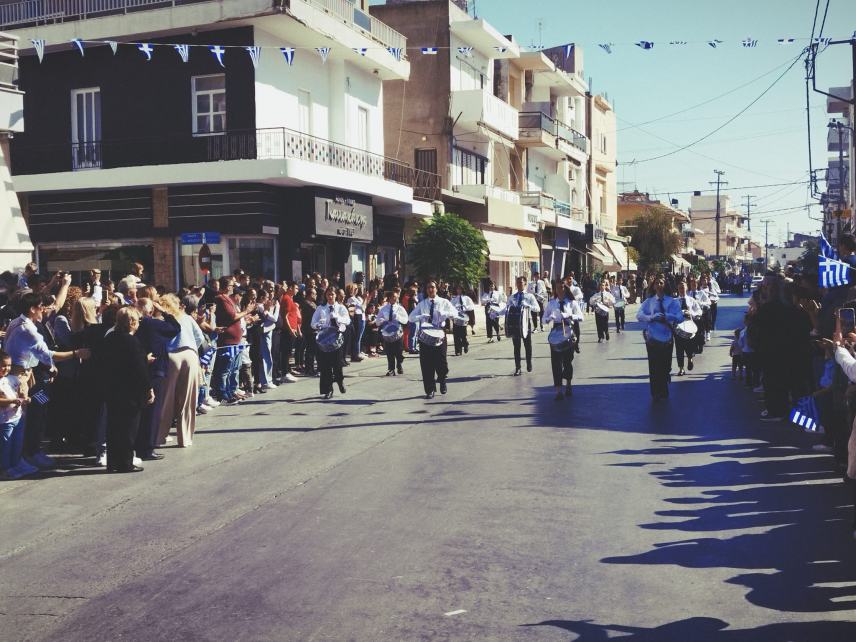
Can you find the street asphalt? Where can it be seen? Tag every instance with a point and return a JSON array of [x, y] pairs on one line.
[[490, 513]]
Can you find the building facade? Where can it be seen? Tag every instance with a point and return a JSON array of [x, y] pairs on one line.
[[838, 200], [732, 234], [279, 163], [632, 205]]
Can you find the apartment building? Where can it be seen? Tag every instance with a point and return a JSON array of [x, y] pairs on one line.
[[278, 166], [632, 205], [733, 236], [838, 201]]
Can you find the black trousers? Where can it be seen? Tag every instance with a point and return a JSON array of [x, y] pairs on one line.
[[602, 323], [684, 347], [36, 421], [659, 367], [123, 422], [287, 344], [394, 354], [562, 364], [147, 433], [619, 318], [492, 324], [577, 331], [330, 366], [459, 332], [435, 367], [537, 316], [713, 307], [309, 351], [527, 345], [276, 352]]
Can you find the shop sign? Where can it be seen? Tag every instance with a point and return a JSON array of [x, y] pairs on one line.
[[594, 233], [531, 218], [344, 218], [200, 238]]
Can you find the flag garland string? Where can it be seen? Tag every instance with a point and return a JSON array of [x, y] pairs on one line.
[[219, 51]]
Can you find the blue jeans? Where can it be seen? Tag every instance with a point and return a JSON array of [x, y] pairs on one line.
[[266, 366], [359, 329], [411, 337], [11, 443], [224, 379]]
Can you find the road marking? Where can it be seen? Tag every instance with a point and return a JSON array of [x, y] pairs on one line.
[[458, 612]]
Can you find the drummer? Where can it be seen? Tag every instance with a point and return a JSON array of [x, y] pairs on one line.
[[602, 301], [330, 315], [431, 313], [389, 315], [659, 312], [577, 296], [621, 295], [464, 305], [492, 300], [704, 301], [711, 287], [518, 322], [562, 310], [685, 345]]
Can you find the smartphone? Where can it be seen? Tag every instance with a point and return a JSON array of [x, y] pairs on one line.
[[848, 320]]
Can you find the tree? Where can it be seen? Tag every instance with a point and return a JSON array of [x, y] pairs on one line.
[[447, 247], [654, 238], [808, 261]]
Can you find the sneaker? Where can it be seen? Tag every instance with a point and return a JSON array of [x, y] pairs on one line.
[[41, 460], [101, 460], [211, 402], [240, 394], [821, 448], [137, 461], [758, 389], [290, 378], [270, 386], [766, 416], [490, 340], [26, 468], [202, 409], [234, 401]]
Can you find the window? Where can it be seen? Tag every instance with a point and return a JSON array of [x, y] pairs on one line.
[[304, 112], [602, 189], [471, 78], [362, 128], [209, 104], [86, 128], [467, 168]]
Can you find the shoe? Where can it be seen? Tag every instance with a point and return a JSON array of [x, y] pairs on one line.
[[153, 457], [577, 347], [681, 372], [234, 401], [498, 339], [346, 365], [11, 474], [42, 461], [26, 468], [211, 402], [341, 387], [290, 378], [517, 372], [442, 387], [271, 386], [136, 461], [568, 391], [400, 370], [132, 469], [690, 364], [101, 460], [328, 395], [618, 331], [758, 389], [607, 336], [240, 394], [490, 340], [466, 349], [389, 373], [250, 395], [766, 416], [458, 354], [821, 448], [559, 396], [429, 395], [202, 409], [356, 359], [528, 367]]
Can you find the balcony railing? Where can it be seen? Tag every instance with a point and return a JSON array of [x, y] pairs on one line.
[[563, 209], [537, 199], [579, 214], [539, 120], [572, 136], [253, 144], [480, 107], [349, 13], [35, 12], [8, 61]]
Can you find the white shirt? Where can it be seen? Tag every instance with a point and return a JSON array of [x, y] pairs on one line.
[[701, 297], [602, 297], [651, 306], [463, 303], [399, 314], [443, 309], [357, 302], [9, 387], [576, 292], [326, 314], [526, 301], [557, 311], [269, 317], [713, 291], [538, 289], [494, 297], [620, 293], [692, 307]]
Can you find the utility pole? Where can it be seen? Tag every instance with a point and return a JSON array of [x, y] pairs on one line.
[[749, 205], [766, 243], [719, 182], [841, 202]]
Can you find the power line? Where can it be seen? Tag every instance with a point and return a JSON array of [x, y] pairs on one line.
[[728, 189]]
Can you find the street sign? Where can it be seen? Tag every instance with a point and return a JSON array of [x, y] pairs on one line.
[[200, 238], [205, 259]]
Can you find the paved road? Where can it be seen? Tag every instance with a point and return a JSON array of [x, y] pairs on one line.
[[492, 513]]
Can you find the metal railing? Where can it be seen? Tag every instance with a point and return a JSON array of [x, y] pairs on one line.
[[558, 129], [537, 199], [8, 61], [349, 13], [252, 144], [563, 209], [572, 136], [36, 12], [579, 213]]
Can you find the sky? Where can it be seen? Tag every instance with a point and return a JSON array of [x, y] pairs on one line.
[[766, 145]]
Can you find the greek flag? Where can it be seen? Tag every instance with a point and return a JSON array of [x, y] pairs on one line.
[[360, 51], [114, 46], [146, 49], [678, 42], [255, 55], [183, 51], [232, 351], [218, 52], [645, 44], [429, 51], [805, 415], [607, 46], [323, 52], [501, 49], [466, 51], [39, 46], [395, 52], [41, 397], [826, 249], [714, 43], [206, 359], [569, 49], [288, 54], [77, 42], [750, 42], [787, 41], [832, 273], [823, 41]]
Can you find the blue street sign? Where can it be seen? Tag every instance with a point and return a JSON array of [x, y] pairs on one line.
[[198, 238]]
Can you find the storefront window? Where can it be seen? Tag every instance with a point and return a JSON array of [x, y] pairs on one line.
[[113, 259], [189, 258], [255, 256]]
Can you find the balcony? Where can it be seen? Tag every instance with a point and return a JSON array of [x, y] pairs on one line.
[[836, 144], [261, 144], [570, 140], [477, 108], [11, 100], [351, 15], [489, 192], [29, 13], [537, 199], [537, 129]]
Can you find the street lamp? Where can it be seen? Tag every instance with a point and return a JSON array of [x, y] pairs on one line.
[[628, 253]]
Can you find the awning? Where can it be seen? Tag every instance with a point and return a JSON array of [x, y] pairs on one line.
[[502, 247], [530, 248], [680, 262], [600, 254], [619, 251]]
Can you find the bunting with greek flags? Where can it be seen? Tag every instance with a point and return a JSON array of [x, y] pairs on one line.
[[645, 44], [288, 54], [466, 51], [832, 273], [823, 41], [787, 41], [324, 52], [679, 42], [114, 46], [569, 49], [218, 52], [395, 52], [750, 42], [255, 55], [607, 46], [805, 414], [500, 50], [714, 43], [39, 46], [146, 50], [360, 51], [77, 42], [429, 51], [183, 51], [206, 359]]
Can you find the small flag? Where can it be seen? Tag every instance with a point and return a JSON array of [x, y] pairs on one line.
[[41, 397], [218, 52], [607, 46], [39, 46], [395, 52], [77, 42], [805, 414], [183, 51], [206, 358], [466, 51], [429, 51], [714, 43], [255, 55], [114, 46], [288, 54], [832, 273], [750, 42], [677, 42], [645, 44], [501, 50], [360, 51], [569, 49], [787, 41], [323, 52], [826, 249], [147, 50], [231, 351], [823, 41]]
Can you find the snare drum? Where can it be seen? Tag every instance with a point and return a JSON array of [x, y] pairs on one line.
[[391, 332], [602, 309], [560, 338], [686, 329], [431, 336], [658, 332], [329, 339]]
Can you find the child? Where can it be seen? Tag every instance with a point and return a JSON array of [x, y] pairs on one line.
[[11, 427], [372, 335], [736, 354]]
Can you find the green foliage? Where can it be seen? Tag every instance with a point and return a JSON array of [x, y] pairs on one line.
[[447, 247], [808, 260], [654, 239]]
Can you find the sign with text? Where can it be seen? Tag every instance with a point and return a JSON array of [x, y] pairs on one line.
[[200, 238], [343, 217]]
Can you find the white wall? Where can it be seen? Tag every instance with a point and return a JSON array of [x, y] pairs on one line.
[[465, 78]]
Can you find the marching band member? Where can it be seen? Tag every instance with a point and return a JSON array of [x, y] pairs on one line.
[[492, 300], [659, 313], [464, 305], [704, 301], [691, 310], [518, 322], [562, 310], [621, 294], [538, 288], [577, 295], [330, 315], [392, 312], [432, 358], [712, 289], [601, 302]]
